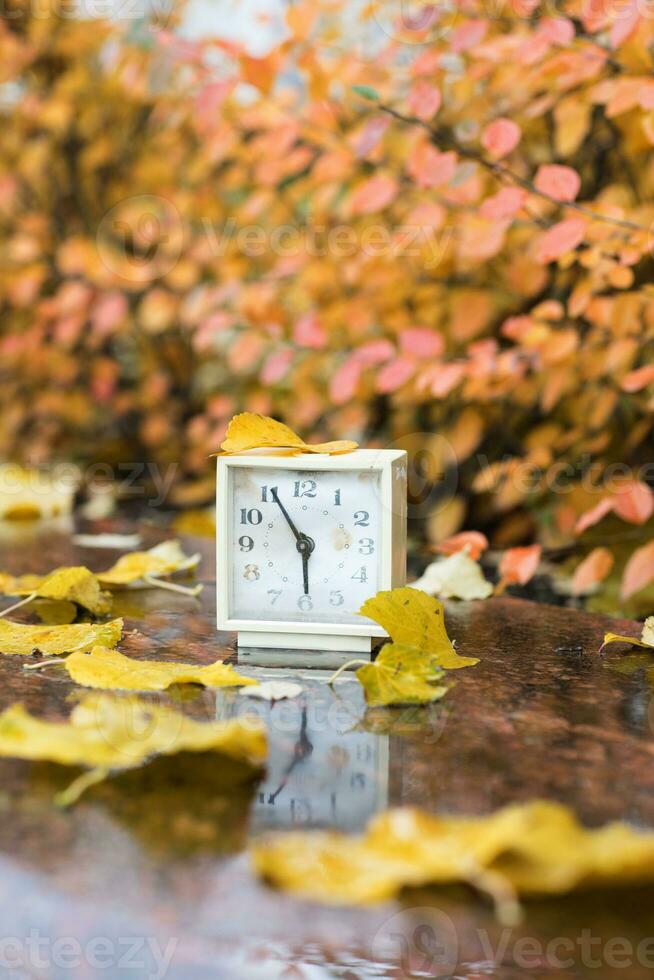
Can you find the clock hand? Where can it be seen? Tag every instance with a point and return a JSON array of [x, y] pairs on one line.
[[290, 523], [303, 542]]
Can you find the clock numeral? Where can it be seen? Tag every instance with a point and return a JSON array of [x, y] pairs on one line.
[[337, 498], [304, 603], [275, 593], [252, 516], [305, 488], [361, 575], [336, 598], [246, 542], [366, 546], [361, 518], [268, 490]]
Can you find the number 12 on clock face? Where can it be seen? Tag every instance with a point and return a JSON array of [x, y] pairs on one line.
[[307, 543]]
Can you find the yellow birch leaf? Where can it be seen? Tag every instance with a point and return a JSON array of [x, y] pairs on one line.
[[646, 638], [19, 584], [413, 618], [164, 559], [535, 848], [19, 639], [120, 733], [401, 675], [251, 431], [111, 670], [76, 584]]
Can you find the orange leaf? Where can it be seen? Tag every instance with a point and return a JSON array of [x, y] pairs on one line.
[[639, 571], [634, 502], [592, 570], [561, 238], [638, 379], [424, 100], [561, 183], [500, 137], [474, 542], [518, 565], [594, 515], [374, 195]]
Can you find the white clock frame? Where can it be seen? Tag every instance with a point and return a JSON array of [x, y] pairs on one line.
[[295, 635]]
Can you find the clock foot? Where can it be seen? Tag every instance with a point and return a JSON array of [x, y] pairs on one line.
[[289, 661], [304, 641]]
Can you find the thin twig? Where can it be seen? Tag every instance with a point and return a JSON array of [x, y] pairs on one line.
[[500, 170]]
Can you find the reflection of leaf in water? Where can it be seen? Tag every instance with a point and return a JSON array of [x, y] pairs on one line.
[[630, 664], [408, 720], [176, 806]]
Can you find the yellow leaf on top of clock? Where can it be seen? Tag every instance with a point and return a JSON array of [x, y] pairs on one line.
[[414, 619], [21, 639], [111, 670], [134, 568], [251, 431], [111, 732]]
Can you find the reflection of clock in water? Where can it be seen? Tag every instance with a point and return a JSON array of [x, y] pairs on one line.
[[321, 772]]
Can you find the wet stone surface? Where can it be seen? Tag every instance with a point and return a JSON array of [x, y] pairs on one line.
[[148, 877]]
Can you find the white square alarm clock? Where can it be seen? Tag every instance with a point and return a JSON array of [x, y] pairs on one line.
[[303, 541]]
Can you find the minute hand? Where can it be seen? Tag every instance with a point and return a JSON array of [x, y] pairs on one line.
[[290, 523]]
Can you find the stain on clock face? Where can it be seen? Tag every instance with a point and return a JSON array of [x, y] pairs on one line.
[[306, 545]]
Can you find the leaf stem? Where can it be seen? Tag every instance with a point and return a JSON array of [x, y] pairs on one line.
[[498, 888], [350, 663], [157, 583], [17, 605], [55, 661], [78, 786]]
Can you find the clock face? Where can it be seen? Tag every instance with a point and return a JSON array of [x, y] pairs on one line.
[[305, 545]]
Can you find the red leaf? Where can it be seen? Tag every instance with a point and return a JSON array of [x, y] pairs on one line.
[[505, 204], [474, 542], [394, 374], [592, 570], [429, 167], [561, 238], [639, 571], [500, 137], [421, 342], [638, 379], [518, 565], [561, 183], [424, 100], [594, 515], [309, 332], [374, 195], [634, 502]]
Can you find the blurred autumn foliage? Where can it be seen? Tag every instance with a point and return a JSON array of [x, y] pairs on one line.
[[430, 231]]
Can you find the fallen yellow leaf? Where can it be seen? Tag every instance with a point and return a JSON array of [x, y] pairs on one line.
[[414, 619], [53, 641], [138, 567], [526, 849], [105, 733], [401, 675], [76, 584], [111, 670], [251, 431], [646, 638], [19, 584]]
